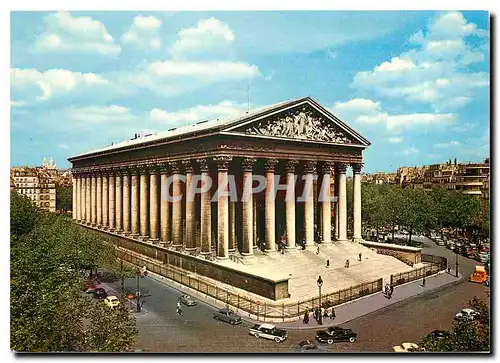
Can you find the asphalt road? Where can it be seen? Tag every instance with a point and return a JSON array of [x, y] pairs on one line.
[[162, 330]]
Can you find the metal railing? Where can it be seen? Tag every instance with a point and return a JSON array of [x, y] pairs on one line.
[[404, 277]]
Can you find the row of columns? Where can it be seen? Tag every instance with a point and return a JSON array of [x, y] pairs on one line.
[[127, 200]]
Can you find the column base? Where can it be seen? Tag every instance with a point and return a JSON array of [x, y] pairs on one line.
[[270, 251], [190, 248], [205, 252], [222, 258], [247, 255], [255, 247], [154, 240], [134, 235], [330, 241], [310, 247], [143, 238], [358, 239], [341, 240]]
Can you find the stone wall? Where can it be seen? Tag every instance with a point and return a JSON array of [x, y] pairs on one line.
[[409, 255]]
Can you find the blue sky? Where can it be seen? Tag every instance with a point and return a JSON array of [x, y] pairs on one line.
[[416, 84]]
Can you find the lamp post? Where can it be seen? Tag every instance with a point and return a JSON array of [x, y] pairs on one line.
[[456, 264], [320, 283], [137, 301]]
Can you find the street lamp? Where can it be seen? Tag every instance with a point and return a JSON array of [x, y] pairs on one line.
[[320, 283], [456, 264], [137, 301]]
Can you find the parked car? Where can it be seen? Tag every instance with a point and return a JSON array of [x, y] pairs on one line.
[[438, 334], [336, 334], [187, 300], [467, 313], [112, 301], [268, 331], [307, 346], [406, 347], [485, 256], [100, 294], [228, 316], [440, 242]]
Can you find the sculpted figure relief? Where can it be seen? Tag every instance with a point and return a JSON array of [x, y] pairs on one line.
[[299, 124]]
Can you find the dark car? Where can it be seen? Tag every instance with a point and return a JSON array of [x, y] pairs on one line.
[[187, 300], [100, 294], [228, 316], [336, 334], [310, 347], [438, 334]]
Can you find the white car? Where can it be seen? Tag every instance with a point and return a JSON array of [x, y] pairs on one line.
[[268, 331], [406, 347], [467, 313]]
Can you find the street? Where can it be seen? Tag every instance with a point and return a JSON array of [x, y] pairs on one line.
[[162, 330]]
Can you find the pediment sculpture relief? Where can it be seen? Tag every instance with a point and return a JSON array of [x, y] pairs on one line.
[[300, 123]]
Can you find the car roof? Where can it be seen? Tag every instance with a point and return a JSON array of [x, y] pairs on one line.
[[267, 326], [112, 297], [409, 345], [467, 310]]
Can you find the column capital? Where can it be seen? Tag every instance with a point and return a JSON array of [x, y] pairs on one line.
[[152, 167], [176, 167], [309, 167], [188, 166], [222, 162], [326, 168], [204, 164], [290, 166], [356, 167], [248, 163], [143, 169], [124, 170], [270, 164], [163, 168], [340, 168]]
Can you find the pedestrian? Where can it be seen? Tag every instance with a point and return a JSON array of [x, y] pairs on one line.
[[332, 314], [391, 289], [324, 313], [179, 308], [449, 269], [360, 257], [423, 282], [327, 263], [306, 317], [346, 264], [387, 290], [317, 250]]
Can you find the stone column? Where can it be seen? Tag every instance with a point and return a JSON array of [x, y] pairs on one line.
[[269, 208], [153, 203], [190, 242], [88, 204], [290, 204], [326, 206], [341, 169], [117, 191], [134, 202], [78, 198], [309, 169], [206, 216], [126, 201], [112, 177], [105, 199], [73, 200], [93, 196], [176, 205], [336, 205], [356, 169], [255, 221], [83, 201], [247, 207], [144, 203], [164, 204], [222, 208], [99, 199]]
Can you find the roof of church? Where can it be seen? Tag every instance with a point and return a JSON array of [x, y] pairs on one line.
[[204, 127]]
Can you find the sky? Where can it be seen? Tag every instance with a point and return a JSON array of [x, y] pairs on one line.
[[415, 84]]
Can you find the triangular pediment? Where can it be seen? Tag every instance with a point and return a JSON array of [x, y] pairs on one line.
[[303, 122]]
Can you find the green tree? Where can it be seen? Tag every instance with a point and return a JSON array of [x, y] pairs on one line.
[[23, 215], [64, 198]]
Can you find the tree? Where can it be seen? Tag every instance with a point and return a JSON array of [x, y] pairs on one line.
[[23, 215], [64, 198], [49, 312]]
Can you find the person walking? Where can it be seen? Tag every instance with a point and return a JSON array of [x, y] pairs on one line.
[[449, 269], [423, 282], [317, 250], [391, 290], [346, 263], [179, 308], [324, 313], [332, 314], [360, 257], [306, 317], [327, 263]]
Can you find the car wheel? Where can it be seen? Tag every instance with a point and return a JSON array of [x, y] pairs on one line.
[[232, 322], [330, 341], [277, 340], [352, 339], [257, 335]]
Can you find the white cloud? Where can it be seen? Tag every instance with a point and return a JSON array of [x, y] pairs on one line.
[[65, 33], [18, 103], [463, 128], [63, 146], [410, 151], [209, 36], [144, 33], [99, 114], [396, 140], [366, 111], [443, 145], [198, 113], [53, 82], [176, 77], [435, 71]]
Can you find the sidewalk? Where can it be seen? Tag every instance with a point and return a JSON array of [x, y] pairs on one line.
[[365, 305]]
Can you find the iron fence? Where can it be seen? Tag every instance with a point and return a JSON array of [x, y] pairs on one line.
[[404, 277]]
